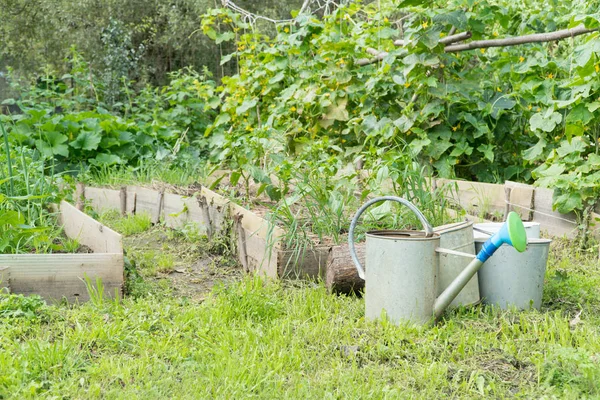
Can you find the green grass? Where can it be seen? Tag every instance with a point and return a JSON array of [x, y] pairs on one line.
[[129, 225], [264, 339], [148, 172]]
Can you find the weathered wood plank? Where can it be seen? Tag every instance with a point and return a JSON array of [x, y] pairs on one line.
[[553, 222], [147, 200], [4, 279], [131, 200], [475, 197], [57, 276], [174, 211], [89, 232], [308, 263], [521, 199], [218, 210], [260, 254], [102, 199]]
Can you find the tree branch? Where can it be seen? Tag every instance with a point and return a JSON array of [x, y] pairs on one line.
[[445, 40], [482, 44], [517, 40]]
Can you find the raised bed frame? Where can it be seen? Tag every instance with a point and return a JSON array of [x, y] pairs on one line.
[[63, 276], [258, 242]]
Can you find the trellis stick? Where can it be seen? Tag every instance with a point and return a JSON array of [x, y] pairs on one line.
[[517, 40]]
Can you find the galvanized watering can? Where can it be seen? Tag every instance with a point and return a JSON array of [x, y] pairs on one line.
[[401, 278]]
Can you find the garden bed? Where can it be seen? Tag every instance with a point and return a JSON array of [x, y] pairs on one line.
[[67, 276], [259, 243]]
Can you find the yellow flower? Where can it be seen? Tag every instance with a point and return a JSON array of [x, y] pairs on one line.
[[442, 34], [550, 75], [293, 109], [498, 89], [482, 51], [454, 128], [272, 45], [407, 85], [442, 65], [529, 107], [597, 68], [424, 24], [495, 34], [286, 30], [521, 59], [386, 20], [343, 140], [253, 47]]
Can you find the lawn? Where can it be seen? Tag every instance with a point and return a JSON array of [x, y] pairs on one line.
[[254, 338]]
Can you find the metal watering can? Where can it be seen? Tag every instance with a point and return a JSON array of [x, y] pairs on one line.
[[403, 265]]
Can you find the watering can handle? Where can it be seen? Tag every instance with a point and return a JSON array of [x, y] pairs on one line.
[[413, 208]]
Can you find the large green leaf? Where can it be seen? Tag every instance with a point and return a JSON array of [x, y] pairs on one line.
[[104, 159], [567, 202], [52, 143], [576, 145], [456, 18], [545, 122], [87, 141], [580, 114], [246, 105]]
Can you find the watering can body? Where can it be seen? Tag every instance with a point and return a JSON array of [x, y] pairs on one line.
[[401, 279], [401, 275]]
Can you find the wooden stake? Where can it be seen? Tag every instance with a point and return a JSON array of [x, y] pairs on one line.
[[80, 196], [123, 197], [241, 241]]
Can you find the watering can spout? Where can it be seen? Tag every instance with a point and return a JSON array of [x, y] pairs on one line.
[[511, 233]]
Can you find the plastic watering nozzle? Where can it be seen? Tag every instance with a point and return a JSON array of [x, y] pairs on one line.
[[512, 233]]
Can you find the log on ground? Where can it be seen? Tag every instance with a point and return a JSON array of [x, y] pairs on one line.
[[342, 276]]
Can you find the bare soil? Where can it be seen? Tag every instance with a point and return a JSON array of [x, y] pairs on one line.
[[193, 267]]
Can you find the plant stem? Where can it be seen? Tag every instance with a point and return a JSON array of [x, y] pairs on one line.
[[7, 149]]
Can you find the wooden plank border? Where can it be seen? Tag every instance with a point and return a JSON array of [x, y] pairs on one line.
[[63, 276]]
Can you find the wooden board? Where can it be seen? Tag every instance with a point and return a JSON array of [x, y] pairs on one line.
[[147, 200], [475, 197], [256, 253], [131, 200], [58, 276], [552, 222], [521, 199], [256, 224], [4, 279], [261, 238], [309, 264], [89, 232], [218, 210], [103, 199], [174, 211]]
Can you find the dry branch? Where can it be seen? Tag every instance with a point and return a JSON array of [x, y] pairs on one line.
[[445, 40], [380, 55], [517, 40]]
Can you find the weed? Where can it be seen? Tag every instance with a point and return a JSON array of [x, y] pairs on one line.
[[129, 225]]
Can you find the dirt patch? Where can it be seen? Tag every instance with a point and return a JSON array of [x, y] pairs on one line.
[[189, 263], [197, 280]]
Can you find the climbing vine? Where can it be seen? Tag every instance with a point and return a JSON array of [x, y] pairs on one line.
[[527, 112]]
